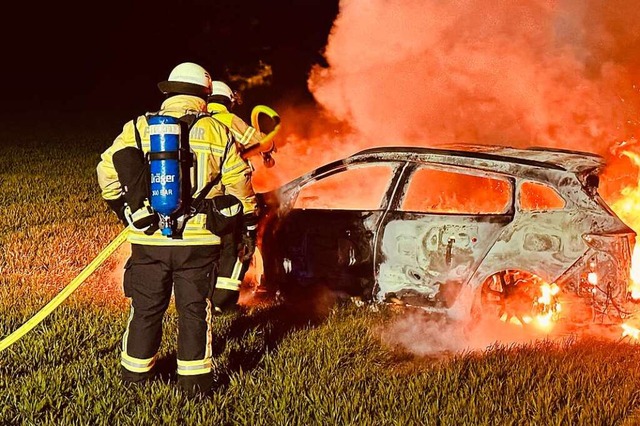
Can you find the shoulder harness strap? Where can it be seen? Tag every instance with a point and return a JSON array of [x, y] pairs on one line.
[[137, 134], [205, 190]]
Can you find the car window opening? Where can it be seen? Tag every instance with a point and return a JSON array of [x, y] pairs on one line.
[[356, 188], [537, 196], [439, 191]]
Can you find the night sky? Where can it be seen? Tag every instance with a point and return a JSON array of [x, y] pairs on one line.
[[106, 58]]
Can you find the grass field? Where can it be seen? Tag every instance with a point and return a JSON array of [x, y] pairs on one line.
[[277, 365]]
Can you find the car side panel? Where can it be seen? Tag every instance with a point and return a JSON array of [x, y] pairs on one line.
[[426, 258], [544, 243]]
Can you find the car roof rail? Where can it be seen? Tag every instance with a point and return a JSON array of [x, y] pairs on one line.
[[563, 151]]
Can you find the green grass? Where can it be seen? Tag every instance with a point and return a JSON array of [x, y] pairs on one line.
[[277, 365]]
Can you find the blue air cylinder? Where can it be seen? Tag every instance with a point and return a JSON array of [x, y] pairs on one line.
[[164, 165]]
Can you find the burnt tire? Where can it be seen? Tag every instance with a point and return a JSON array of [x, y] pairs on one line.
[[508, 296]]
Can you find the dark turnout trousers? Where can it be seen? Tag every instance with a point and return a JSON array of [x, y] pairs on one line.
[[151, 273]]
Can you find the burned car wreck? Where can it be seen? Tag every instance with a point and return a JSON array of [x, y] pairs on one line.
[[456, 230]]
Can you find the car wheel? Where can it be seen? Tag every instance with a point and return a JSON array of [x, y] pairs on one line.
[[510, 296]]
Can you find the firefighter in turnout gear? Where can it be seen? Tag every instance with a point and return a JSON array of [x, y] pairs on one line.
[[249, 139], [239, 240], [179, 258]]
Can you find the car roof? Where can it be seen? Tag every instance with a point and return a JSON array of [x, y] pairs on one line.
[[550, 158]]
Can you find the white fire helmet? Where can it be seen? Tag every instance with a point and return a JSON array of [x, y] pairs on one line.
[[187, 78], [222, 89]]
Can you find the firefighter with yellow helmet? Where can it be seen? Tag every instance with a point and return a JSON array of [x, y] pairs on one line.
[[173, 250]]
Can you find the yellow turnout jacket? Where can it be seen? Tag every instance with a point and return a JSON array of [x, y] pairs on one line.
[[208, 140], [243, 133]]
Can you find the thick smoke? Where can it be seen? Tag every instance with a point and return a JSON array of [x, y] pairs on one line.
[[422, 335], [415, 72], [561, 74]]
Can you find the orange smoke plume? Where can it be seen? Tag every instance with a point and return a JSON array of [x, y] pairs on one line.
[[426, 72], [521, 73]]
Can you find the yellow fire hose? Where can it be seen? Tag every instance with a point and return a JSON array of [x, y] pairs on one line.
[[263, 109], [66, 292], [267, 146]]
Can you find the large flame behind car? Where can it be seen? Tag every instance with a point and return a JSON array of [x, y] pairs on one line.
[[627, 206]]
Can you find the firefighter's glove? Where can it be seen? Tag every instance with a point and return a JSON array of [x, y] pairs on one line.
[[247, 246], [118, 207], [142, 219], [225, 301]]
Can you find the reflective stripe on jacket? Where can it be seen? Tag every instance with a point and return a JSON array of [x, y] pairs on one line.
[[208, 140]]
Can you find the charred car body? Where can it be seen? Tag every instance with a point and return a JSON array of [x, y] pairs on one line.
[[454, 230]]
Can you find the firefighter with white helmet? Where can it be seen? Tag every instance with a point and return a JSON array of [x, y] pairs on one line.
[[233, 265], [220, 88], [187, 78], [181, 260], [250, 139]]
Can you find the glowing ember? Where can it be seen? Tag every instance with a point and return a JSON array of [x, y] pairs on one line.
[[630, 331], [545, 321], [548, 292], [546, 309], [548, 306]]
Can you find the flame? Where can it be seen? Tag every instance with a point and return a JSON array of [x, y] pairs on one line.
[[548, 292], [627, 207], [548, 306], [544, 321], [631, 331]]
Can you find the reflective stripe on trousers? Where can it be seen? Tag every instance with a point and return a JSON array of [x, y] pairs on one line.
[[137, 365], [151, 274], [200, 366], [133, 364]]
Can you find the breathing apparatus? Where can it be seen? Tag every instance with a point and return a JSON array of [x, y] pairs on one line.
[[170, 162]]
